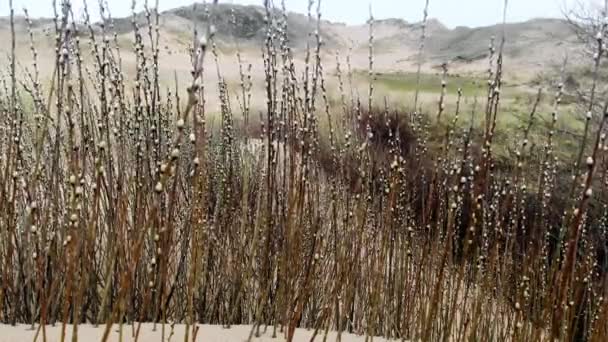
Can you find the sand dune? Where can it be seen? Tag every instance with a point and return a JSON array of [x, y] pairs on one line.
[[207, 333]]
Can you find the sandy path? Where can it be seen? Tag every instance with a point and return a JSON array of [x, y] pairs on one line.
[[211, 333]]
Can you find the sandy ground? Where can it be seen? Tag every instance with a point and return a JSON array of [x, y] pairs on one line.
[[211, 333]]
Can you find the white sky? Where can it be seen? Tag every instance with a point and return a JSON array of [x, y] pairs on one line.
[[450, 12]]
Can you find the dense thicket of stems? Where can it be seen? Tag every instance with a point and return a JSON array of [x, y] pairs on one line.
[[119, 204]]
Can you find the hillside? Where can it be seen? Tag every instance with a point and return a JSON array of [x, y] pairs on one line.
[[529, 45]]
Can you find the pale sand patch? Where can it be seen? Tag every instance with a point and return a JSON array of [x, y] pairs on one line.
[[207, 333]]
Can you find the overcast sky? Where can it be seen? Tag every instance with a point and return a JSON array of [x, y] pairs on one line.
[[451, 12]]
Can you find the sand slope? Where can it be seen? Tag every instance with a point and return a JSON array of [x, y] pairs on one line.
[[210, 333]]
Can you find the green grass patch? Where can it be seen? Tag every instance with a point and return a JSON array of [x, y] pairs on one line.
[[430, 83]]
